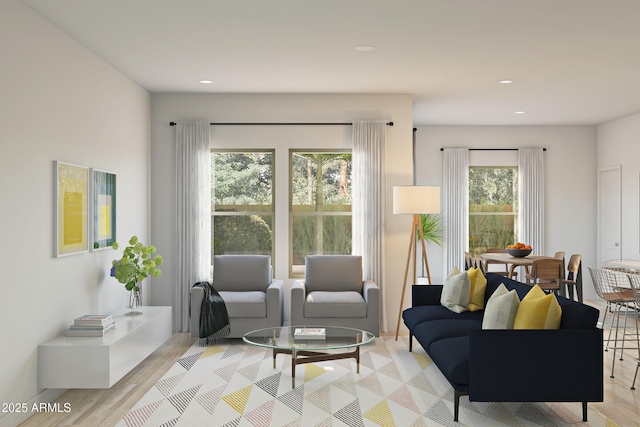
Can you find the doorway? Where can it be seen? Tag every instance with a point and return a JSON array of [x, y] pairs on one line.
[[609, 213]]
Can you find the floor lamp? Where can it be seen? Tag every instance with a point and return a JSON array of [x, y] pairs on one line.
[[415, 200]]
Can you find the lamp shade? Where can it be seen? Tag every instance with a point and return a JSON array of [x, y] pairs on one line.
[[412, 199]]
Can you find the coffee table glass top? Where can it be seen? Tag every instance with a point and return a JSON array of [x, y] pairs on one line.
[[308, 338]]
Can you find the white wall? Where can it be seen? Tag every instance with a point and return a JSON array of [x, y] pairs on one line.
[[280, 108], [619, 144], [59, 102], [570, 180]]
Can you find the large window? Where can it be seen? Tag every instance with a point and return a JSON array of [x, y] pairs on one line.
[[320, 205], [242, 202], [493, 213]]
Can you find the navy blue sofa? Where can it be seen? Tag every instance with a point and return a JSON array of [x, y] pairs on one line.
[[563, 365]]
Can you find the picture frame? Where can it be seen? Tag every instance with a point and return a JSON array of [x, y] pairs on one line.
[[103, 212], [71, 207]]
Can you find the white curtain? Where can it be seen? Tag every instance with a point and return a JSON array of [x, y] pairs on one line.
[[193, 214], [455, 201], [369, 187], [531, 198]]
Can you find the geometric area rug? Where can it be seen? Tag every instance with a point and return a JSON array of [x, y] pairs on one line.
[[234, 384]]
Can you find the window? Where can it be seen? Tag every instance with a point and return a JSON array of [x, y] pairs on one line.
[[242, 202], [320, 205], [493, 214]]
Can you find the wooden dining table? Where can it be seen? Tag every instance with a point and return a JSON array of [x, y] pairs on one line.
[[511, 261]]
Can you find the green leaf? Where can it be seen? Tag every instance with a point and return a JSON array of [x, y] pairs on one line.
[[433, 228], [135, 264]]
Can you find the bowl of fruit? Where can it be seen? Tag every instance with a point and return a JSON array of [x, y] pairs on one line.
[[519, 250]]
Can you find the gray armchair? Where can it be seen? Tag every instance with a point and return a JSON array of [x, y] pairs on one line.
[[333, 293], [253, 299]]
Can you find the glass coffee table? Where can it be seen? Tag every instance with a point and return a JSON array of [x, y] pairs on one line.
[[309, 344]]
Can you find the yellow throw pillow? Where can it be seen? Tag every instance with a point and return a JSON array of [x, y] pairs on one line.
[[478, 288], [538, 310]]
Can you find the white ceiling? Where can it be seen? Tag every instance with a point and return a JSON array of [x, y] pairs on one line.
[[572, 61]]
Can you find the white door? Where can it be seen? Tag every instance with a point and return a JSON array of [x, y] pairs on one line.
[[609, 213]]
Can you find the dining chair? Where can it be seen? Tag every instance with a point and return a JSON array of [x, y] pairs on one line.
[[573, 280], [615, 289], [480, 263], [468, 261], [546, 273], [634, 279], [560, 255]]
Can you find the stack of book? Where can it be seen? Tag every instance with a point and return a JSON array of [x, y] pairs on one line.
[[309, 334], [91, 325]]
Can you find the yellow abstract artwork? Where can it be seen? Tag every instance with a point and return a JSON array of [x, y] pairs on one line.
[[71, 210]]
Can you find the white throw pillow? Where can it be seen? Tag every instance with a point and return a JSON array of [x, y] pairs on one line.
[[455, 292], [501, 309]]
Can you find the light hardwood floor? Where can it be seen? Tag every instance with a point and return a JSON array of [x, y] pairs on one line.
[[107, 407], [621, 404]]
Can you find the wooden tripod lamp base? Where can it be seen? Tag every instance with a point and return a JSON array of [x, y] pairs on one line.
[[415, 200]]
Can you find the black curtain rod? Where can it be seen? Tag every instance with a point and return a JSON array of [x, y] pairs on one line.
[[280, 124], [493, 149]]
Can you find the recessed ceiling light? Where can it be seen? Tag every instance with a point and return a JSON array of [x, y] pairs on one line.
[[519, 112], [206, 82], [364, 48], [505, 82]]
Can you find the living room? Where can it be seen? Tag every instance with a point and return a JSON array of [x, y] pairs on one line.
[[61, 101]]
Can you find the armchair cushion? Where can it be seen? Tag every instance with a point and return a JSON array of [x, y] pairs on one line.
[[245, 304], [241, 272], [333, 273], [335, 304]]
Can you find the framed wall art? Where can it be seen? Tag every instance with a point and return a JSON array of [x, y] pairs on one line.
[[71, 205], [103, 213]]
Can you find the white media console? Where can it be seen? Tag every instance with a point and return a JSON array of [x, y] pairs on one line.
[[100, 362]]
